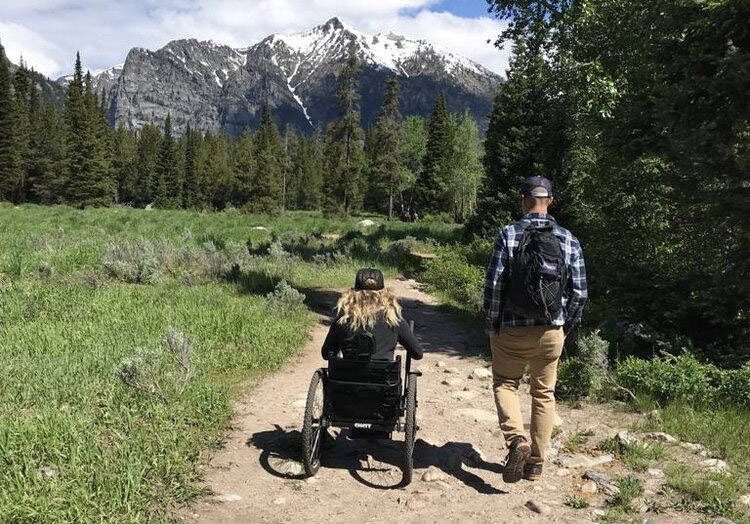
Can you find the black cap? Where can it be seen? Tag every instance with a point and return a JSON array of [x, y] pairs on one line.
[[536, 187], [369, 278]]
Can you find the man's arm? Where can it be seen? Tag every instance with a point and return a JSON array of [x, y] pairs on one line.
[[577, 286], [493, 282]]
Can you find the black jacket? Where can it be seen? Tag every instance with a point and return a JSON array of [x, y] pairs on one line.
[[385, 338]]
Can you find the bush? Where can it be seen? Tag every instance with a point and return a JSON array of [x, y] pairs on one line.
[[585, 373], [284, 298], [669, 378], [734, 386], [133, 262], [460, 281]]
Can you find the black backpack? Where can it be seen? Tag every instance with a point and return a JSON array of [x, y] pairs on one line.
[[537, 275], [358, 345]]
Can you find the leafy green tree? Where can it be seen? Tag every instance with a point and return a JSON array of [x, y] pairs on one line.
[[467, 170], [413, 151]]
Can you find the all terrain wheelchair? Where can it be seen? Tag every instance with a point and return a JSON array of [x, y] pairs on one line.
[[371, 399]]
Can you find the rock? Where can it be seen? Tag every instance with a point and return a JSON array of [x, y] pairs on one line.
[[259, 228], [279, 501], [47, 472], [714, 464], [562, 472], [661, 437], [537, 507], [625, 438], [433, 475], [744, 500], [464, 395], [598, 513], [655, 472], [599, 478], [481, 373], [478, 415], [451, 370], [227, 498], [589, 487], [609, 489], [287, 466], [692, 446], [452, 381], [366, 223], [579, 460], [440, 364]]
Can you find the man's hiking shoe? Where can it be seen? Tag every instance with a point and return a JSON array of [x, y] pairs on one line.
[[532, 471], [517, 456]]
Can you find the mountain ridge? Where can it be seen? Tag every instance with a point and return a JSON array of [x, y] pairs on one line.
[[215, 87]]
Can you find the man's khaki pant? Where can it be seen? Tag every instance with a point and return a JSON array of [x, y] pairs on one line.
[[540, 347]]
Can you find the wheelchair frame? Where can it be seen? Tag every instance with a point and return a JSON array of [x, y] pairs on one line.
[[317, 419]]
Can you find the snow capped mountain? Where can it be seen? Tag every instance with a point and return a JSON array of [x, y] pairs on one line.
[[214, 87]]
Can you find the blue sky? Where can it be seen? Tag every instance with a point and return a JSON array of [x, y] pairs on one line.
[[47, 33]]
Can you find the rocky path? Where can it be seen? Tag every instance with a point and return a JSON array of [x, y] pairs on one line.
[[256, 477]]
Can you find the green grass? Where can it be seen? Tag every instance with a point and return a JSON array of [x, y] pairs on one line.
[[637, 456], [576, 502], [577, 441], [711, 493], [77, 444]]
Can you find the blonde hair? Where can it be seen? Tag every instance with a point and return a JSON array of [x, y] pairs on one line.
[[360, 308]]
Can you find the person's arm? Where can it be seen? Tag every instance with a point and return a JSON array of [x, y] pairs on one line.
[[493, 282], [577, 287], [407, 339], [331, 345]]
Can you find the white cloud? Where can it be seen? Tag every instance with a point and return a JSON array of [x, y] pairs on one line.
[[105, 30]]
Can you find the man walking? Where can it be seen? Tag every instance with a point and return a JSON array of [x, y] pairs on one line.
[[534, 294]]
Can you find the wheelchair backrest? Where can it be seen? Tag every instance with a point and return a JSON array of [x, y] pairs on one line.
[[364, 390]]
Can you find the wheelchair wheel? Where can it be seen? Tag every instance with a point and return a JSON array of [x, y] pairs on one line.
[[313, 430], [410, 429]]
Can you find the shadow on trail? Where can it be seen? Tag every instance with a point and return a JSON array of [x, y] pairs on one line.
[[373, 463]]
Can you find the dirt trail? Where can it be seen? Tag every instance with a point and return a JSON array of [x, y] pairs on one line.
[[256, 476]]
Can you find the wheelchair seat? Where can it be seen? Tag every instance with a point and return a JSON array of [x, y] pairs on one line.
[[364, 394]]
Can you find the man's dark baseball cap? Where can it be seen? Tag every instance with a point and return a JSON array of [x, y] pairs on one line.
[[536, 187], [369, 278]]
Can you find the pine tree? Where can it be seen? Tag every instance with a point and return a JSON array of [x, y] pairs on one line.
[[90, 181], [245, 168], [432, 184], [345, 157], [49, 157], [9, 160], [521, 139], [125, 165], [22, 87], [269, 158], [149, 145], [169, 185], [413, 151], [388, 175], [190, 188]]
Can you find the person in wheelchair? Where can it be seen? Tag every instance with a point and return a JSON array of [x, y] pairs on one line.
[[369, 323]]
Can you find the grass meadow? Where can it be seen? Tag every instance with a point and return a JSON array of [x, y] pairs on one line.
[[102, 418]]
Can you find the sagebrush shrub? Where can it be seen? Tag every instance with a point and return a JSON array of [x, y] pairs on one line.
[[133, 262], [285, 298]]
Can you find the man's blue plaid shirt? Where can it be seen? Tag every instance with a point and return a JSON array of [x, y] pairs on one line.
[[576, 290]]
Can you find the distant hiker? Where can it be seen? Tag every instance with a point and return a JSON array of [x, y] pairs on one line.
[[534, 294], [369, 323]]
